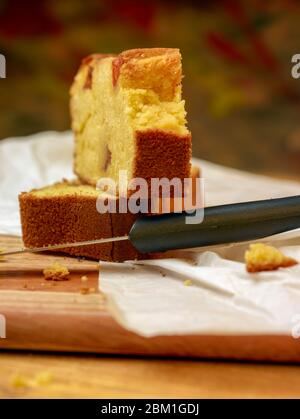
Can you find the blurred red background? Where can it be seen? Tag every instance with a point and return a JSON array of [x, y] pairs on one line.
[[243, 104]]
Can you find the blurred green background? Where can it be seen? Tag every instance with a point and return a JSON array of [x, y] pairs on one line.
[[243, 105]]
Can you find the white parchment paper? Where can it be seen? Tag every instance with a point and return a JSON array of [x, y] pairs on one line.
[[150, 297]]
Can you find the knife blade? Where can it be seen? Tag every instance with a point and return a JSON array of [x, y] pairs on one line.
[[221, 224], [62, 246]]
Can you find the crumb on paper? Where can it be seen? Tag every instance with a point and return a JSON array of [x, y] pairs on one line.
[[261, 257], [56, 272], [84, 278], [19, 381], [188, 282]]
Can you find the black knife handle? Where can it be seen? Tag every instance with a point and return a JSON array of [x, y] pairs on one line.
[[221, 224]]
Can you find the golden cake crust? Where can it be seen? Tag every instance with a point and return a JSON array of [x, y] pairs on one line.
[[253, 267], [158, 69], [88, 64]]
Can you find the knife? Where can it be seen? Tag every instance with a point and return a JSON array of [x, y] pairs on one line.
[[221, 224]]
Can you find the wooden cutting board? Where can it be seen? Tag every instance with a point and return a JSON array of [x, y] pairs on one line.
[[56, 316]]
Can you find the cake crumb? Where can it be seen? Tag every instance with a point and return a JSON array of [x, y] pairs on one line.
[[56, 272], [41, 379], [188, 282], [261, 257], [84, 290], [87, 290], [2, 250], [84, 278], [19, 381], [44, 378]]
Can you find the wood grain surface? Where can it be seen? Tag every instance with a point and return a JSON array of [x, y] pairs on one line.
[[114, 377], [34, 263], [55, 316]]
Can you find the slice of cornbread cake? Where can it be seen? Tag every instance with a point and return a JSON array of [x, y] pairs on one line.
[[127, 114], [66, 212]]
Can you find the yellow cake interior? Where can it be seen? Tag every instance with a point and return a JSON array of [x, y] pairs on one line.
[[105, 119], [65, 189]]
